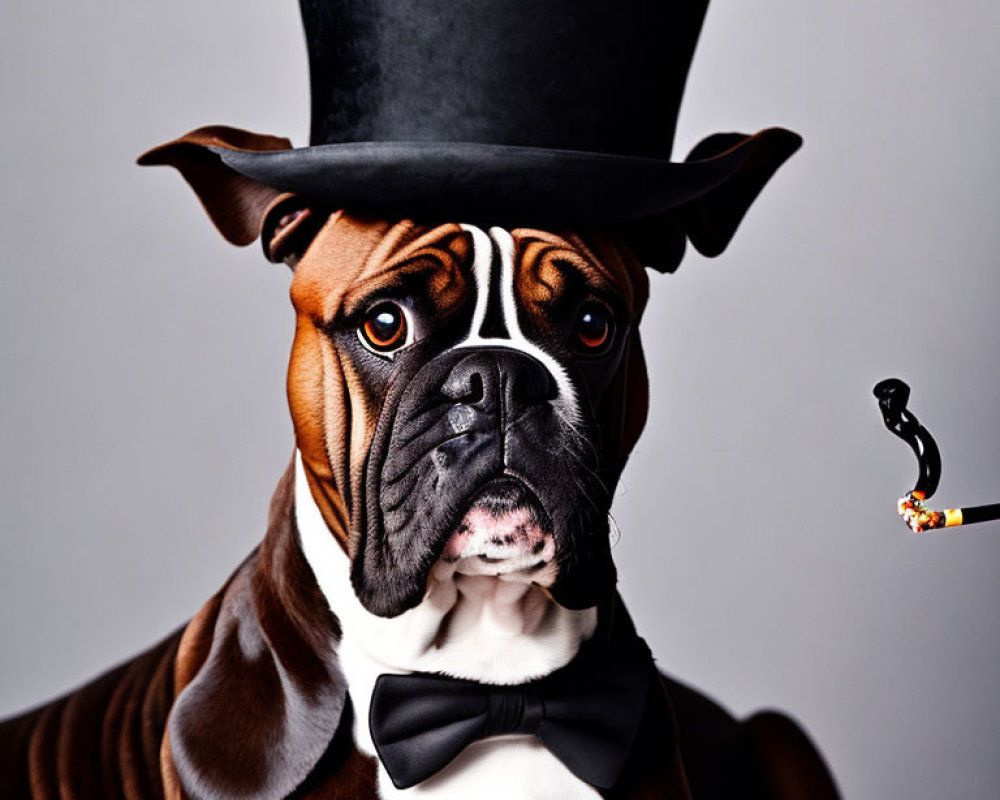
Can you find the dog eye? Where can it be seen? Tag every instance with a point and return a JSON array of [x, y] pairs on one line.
[[594, 329], [385, 329]]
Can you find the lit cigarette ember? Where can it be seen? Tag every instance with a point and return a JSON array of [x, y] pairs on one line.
[[919, 517]]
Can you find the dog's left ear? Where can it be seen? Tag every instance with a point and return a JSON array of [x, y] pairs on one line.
[[241, 208], [710, 220]]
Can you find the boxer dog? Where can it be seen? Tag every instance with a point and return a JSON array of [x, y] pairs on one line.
[[464, 398]]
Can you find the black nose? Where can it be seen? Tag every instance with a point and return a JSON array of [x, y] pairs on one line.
[[488, 378]]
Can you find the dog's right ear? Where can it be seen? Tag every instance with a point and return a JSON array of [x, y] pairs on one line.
[[241, 208], [290, 224]]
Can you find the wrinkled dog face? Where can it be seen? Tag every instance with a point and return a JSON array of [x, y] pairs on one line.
[[468, 395]]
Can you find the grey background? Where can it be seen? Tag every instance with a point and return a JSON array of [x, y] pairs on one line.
[[142, 412]]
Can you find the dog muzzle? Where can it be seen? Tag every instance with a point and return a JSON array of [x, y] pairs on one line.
[[473, 462]]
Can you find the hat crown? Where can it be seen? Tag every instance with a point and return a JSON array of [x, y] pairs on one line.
[[602, 76]]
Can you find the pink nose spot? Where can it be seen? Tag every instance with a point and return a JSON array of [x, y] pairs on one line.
[[510, 536]]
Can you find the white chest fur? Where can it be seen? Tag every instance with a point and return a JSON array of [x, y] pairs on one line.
[[469, 627]]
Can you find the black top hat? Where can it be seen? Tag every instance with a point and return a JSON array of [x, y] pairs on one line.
[[541, 112]]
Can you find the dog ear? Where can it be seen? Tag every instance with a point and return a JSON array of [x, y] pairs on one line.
[[236, 204], [263, 695], [290, 224], [710, 220]]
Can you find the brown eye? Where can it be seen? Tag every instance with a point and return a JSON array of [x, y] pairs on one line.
[[385, 329], [594, 329]]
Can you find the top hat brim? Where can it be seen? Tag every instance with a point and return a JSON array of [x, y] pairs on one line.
[[499, 184]]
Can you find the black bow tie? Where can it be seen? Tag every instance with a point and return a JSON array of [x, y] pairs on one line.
[[586, 714]]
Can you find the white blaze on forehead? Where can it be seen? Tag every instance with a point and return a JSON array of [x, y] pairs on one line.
[[486, 259]]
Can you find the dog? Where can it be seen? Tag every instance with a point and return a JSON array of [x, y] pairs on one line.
[[464, 399]]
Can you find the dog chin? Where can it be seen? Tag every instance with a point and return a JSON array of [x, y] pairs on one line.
[[504, 534]]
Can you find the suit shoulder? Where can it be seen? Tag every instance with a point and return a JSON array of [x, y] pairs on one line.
[[789, 764], [765, 757]]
